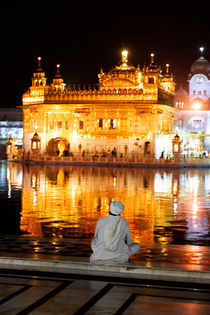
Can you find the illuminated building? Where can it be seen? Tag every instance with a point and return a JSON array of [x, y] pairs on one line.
[[11, 125], [130, 111], [193, 118]]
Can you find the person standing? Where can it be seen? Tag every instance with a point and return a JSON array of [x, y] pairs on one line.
[[112, 239]]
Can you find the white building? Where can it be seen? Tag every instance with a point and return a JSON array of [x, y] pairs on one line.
[[11, 125], [192, 122]]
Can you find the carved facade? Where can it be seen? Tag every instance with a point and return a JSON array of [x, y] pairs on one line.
[[129, 110]]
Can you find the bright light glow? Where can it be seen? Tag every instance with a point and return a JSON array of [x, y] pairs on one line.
[[34, 197], [162, 183], [152, 58], [193, 185], [124, 56], [27, 100], [195, 209], [176, 148], [74, 134], [201, 49], [197, 105]]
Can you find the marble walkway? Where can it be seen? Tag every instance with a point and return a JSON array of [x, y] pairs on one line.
[[150, 255], [42, 292]]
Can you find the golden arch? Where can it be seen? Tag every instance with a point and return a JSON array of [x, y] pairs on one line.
[[56, 146]]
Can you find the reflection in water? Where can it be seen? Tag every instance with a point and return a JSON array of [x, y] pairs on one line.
[[165, 206]]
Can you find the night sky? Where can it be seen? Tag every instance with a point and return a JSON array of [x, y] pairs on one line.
[[82, 37]]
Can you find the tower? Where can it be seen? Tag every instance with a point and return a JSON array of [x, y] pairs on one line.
[[151, 73], [38, 79], [199, 83], [167, 81], [57, 83]]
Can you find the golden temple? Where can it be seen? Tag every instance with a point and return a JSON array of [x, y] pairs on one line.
[[128, 113]]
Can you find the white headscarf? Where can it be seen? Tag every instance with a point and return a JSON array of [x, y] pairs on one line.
[[116, 207], [114, 226]]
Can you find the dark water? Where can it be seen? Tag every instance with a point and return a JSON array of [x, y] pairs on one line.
[[163, 206]]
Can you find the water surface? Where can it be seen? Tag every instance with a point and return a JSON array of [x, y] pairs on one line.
[[161, 205]]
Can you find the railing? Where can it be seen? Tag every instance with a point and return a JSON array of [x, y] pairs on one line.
[[118, 159], [98, 158]]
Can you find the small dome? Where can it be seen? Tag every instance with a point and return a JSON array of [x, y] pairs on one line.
[[200, 65], [36, 137], [181, 95]]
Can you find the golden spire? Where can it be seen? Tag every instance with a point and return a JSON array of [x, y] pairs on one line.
[[152, 58], [124, 57], [167, 69], [39, 64], [58, 71], [58, 80], [39, 61]]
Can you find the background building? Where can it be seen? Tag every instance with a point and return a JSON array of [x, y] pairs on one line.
[[193, 118], [131, 112], [11, 125]]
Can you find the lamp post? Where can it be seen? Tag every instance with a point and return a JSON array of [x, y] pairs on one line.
[[126, 150], [10, 148], [35, 143], [80, 150], [176, 148]]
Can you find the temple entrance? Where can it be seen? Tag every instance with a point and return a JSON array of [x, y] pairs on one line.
[[58, 146], [147, 148]]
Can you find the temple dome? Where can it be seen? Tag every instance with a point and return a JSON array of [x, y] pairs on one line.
[[200, 65], [181, 95], [122, 76]]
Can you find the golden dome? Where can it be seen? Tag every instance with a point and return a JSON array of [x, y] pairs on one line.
[[36, 137], [122, 76], [176, 137]]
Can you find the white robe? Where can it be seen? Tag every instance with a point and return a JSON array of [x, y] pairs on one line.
[[124, 249]]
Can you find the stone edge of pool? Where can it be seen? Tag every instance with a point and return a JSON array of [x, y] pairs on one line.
[[128, 270]]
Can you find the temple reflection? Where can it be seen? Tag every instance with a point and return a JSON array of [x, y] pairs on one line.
[[164, 206]]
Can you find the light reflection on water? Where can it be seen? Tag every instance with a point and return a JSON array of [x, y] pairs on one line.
[[165, 205]]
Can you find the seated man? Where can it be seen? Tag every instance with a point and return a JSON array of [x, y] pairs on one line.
[[113, 242]]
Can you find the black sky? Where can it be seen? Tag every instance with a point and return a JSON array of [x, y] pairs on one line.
[[83, 36]]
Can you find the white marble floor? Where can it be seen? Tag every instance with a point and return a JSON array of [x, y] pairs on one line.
[[47, 294]]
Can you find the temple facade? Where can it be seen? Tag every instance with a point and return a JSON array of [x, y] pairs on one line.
[[131, 112]]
